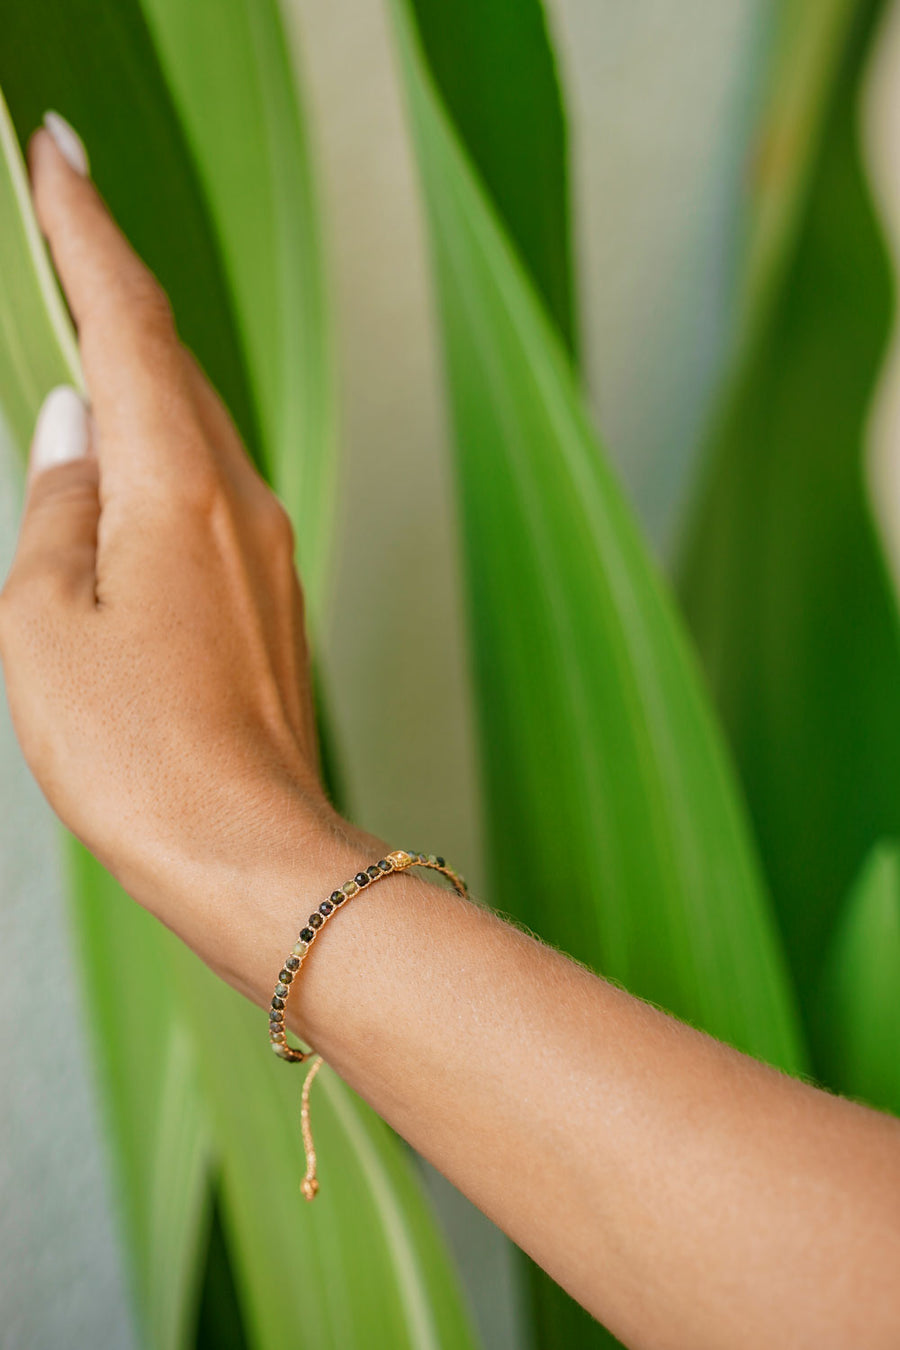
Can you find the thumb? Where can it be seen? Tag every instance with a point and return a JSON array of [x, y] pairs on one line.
[[58, 534]]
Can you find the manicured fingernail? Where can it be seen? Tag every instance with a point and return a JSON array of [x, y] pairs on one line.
[[61, 433], [68, 143]]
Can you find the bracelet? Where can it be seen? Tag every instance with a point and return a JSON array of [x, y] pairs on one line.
[[397, 861]]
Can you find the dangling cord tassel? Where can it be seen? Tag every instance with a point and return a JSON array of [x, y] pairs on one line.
[[309, 1185]]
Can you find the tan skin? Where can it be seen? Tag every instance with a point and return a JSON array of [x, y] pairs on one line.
[[152, 639]]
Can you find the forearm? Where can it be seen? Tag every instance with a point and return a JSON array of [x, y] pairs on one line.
[[662, 1178]]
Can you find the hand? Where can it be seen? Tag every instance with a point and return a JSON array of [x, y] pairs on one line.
[[151, 626]]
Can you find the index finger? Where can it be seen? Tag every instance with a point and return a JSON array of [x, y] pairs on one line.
[[133, 363]]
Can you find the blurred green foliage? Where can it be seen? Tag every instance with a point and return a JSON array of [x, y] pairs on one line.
[[784, 578], [631, 818], [859, 1007]]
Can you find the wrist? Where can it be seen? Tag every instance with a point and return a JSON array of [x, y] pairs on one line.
[[267, 894], [236, 892]]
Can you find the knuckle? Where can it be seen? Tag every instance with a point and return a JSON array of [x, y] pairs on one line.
[[276, 527], [275, 533], [186, 491], [199, 490], [152, 306], [187, 497], [143, 315]]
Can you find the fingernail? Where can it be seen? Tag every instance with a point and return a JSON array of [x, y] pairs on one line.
[[61, 433], [68, 143]]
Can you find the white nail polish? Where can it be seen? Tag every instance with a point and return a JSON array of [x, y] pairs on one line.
[[68, 143], [61, 433]]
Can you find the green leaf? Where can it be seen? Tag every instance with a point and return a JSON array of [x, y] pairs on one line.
[[231, 73], [495, 69], [158, 1013], [95, 64], [808, 43], [362, 1267], [608, 788], [860, 1006], [220, 1322], [615, 827], [37, 347], [784, 579], [155, 1113]]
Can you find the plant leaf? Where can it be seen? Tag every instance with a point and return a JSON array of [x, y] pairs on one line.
[[607, 780], [615, 827], [95, 64], [784, 580], [153, 1107], [807, 47], [860, 1007], [404, 1286], [231, 73], [364, 1266], [37, 347], [495, 68]]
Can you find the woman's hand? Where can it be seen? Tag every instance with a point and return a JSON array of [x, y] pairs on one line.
[[152, 622]]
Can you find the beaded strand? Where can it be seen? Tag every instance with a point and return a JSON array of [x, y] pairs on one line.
[[398, 861]]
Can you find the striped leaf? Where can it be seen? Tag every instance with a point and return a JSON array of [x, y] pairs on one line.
[[363, 1266], [232, 75], [615, 827], [156, 1113], [607, 780], [95, 64], [158, 1013], [37, 347]]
